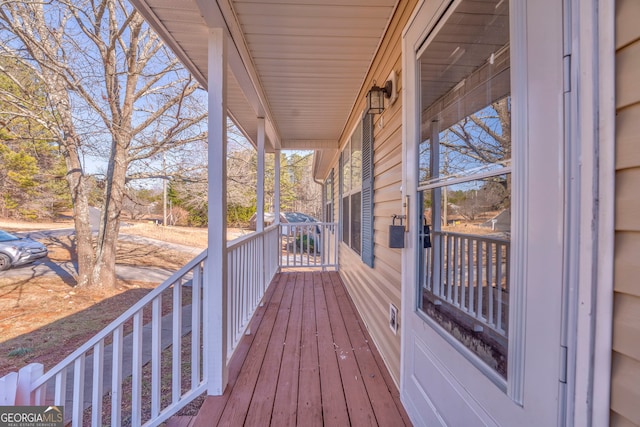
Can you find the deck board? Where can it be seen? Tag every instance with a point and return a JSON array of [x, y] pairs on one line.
[[309, 362], [309, 401], [334, 403], [234, 403], [237, 407], [285, 404], [263, 397], [358, 404], [384, 407]]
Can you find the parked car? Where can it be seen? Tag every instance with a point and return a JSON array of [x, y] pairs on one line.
[[16, 250], [296, 218], [303, 237], [285, 218]]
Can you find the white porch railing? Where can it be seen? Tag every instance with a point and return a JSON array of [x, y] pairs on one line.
[[98, 371], [473, 276], [253, 263], [124, 370], [309, 245]]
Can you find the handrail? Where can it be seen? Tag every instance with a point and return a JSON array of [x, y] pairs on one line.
[[148, 298], [247, 237], [141, 303]]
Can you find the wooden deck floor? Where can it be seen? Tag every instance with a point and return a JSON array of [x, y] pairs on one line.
[[308, 362]]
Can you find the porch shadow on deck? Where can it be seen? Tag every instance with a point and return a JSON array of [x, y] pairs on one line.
[[308, 361]]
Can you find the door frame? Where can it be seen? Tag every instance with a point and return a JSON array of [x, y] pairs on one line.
[[446, 361], [590, 188], [591, 46]]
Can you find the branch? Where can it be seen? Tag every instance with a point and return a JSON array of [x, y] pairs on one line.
[[160, 112]]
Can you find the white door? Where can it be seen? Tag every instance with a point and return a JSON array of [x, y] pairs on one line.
[[484, 156]]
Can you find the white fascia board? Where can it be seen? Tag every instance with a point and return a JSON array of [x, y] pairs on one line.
[[242, 65], [157, 25], [323, 160]]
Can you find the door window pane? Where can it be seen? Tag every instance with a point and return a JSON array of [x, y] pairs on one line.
[[465, 180], [480, 141], [424, 156]]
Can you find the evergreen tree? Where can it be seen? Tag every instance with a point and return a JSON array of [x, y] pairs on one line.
[[32, 169]]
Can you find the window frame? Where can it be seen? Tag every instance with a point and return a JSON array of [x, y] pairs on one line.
[[348, 193]]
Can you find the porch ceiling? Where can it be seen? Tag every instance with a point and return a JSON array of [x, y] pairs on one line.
[[298, 63]]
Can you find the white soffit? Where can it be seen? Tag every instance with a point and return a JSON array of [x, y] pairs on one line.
[[303, 61]]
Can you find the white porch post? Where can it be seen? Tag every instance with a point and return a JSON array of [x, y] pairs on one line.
[[260, 202], [215, 289], [260, 183], [276, 188]]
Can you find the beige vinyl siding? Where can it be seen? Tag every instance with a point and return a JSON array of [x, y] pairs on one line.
[[625, 375], [372, 290]]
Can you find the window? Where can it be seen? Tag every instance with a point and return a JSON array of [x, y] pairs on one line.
[[356, 190], [328, 198], [351, 176], [464, 192]]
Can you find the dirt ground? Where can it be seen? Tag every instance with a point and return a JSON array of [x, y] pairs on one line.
[[43, 319]]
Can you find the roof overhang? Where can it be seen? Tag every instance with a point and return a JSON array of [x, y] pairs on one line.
[[298, 64]]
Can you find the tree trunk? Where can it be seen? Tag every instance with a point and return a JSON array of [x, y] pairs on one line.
[[104, 273], [77, 185], [84, 241]]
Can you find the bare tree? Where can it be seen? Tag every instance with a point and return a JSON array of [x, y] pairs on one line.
[[479, 139], [112, 89], [489, 197], [189, 187], [139, 203]]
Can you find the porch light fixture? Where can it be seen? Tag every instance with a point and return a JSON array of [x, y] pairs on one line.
[[376, 96]]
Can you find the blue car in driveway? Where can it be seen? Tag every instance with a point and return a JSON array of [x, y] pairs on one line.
[[15, 251]]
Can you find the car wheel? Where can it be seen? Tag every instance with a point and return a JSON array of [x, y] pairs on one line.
[[5, 262]]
